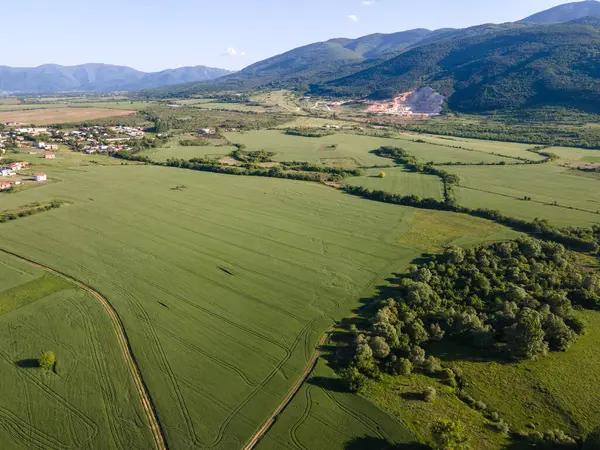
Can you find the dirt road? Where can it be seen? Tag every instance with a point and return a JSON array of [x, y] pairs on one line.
[[157, 434]]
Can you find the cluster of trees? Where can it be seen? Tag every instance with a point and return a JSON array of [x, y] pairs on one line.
[[193, 143], [579, 239], [211, 165], [254, 156], [401, 156], [513, 299], [549, 135], [308, 167], [308, 132], [28, 210]]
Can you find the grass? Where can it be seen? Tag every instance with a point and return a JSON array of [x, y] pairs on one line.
[[230, 107], [47, 116], [504, 187], [26, 293], [399, 181], [174, 150], [229, 282], [348, 149], [324, 417], [557, 391], [89, 401]]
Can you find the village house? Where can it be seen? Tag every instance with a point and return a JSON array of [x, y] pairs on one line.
[[4, 185], [39, 177], [49, 156], [6, 172]]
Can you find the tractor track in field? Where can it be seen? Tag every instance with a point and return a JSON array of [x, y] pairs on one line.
[[148, 407], [262, 431]]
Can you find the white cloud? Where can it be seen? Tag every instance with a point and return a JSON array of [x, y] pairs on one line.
[[368, 2], [233, 52], [353, 18]]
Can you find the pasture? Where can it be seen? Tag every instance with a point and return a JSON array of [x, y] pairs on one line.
[[224, 286], [49, 116], [174, 150], [349, 150], [505, 187], [398, 181], [556, 391], [89, 400]]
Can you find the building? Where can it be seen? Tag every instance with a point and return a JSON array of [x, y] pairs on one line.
[[6, 172], [39, 177], [4, 185], [49, 156]]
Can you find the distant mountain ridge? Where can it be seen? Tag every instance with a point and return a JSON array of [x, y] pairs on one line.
[[515, 66], [321, 61], [566, 13], [52, 78]]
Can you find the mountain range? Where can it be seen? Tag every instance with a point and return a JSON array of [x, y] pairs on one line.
[[549, 58], [51, 78]]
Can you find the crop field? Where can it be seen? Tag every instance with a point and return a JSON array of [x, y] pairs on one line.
[[399, 181], [347, 149], [89, 400], [60, 115], [504, 188], [228, 282]]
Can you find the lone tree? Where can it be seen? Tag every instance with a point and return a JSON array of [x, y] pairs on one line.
[[382, 174], [47, 360], [449, 435]]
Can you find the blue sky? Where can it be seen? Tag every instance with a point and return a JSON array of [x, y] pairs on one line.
[[159, 34]]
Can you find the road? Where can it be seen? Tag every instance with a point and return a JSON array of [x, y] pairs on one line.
[[159, 440]]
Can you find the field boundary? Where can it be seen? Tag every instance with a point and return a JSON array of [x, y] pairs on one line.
[[147, 405], [262, 431]]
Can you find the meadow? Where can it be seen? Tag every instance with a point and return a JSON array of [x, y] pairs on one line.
[[561, 195], [174, 150], [89, 400], [400, 181], [349, 150]]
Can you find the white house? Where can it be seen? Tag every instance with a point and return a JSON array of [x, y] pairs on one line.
[[6, 172], [39, 177]]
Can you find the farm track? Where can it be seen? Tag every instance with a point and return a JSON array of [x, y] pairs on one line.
[[262, 431], [147, 405]]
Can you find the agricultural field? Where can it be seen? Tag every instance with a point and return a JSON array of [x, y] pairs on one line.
[[230, 106], [399, 181], [505, 187], [229, 281], [174, 150], [348, 150], [89, 399], [61, 115]]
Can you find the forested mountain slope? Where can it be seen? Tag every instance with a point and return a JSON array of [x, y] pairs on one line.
[[521, 66]]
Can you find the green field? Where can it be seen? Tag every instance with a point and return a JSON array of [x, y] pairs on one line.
[[229, 282], [174, 150], [504, 187], [90, 401], [557, 391], [351, 150], [399, 181]]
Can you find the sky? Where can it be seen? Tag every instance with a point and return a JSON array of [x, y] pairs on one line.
[[152, 35]]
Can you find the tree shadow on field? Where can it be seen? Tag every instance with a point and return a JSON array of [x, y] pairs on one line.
[[373, 443], [329, 384], [29, 363]]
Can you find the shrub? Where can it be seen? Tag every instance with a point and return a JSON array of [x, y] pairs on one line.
[[449, 435], [404, 367], [47, 361], [353, 380], [429, 394], [502, 426], [479, 405], [432, 365], [382, 174]]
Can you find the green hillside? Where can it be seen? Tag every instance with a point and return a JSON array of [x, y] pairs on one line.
[[522, 66]]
